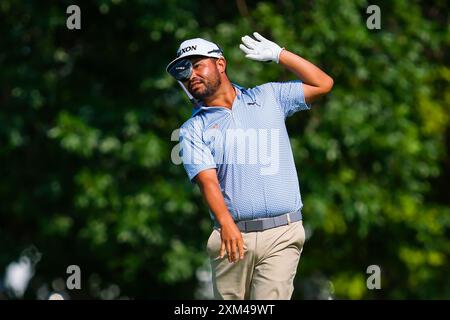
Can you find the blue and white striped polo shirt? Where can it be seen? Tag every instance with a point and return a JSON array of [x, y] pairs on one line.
[[250, 149]]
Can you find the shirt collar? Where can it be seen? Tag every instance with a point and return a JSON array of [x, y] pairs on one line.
[[199, 108]]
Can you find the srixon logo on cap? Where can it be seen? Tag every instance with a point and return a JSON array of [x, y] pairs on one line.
[[187, 49]]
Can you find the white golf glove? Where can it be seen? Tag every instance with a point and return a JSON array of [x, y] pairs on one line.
[[261, 50]]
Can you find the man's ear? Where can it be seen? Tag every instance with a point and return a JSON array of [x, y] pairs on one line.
[[221, 65]]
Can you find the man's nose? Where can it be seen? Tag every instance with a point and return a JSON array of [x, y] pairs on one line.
[[188, 79], [193, 74]]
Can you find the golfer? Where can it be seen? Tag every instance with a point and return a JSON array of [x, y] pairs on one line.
[[236, 148]]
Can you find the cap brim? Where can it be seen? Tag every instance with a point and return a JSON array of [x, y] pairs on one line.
[[190, 55]]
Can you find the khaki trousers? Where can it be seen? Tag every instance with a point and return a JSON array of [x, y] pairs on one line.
[[268, 269]]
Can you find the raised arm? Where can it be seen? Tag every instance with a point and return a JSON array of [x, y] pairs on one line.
[[316, 83]]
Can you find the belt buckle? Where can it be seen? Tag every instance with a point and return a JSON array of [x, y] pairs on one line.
[[288, 219], [255, 225]]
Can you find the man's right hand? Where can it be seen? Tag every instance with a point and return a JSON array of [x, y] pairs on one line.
[[232, 242]]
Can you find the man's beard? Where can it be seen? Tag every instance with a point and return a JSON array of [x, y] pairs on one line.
[[210, 88]]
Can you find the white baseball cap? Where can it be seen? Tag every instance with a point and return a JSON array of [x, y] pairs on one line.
[[197, 47]]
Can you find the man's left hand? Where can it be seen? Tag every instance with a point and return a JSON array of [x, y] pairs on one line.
[[260, 49]]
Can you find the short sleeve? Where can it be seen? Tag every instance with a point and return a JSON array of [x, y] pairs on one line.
[[195, 154], [290, 96]]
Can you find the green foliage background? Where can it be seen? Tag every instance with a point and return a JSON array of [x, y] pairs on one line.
[[86, 120]]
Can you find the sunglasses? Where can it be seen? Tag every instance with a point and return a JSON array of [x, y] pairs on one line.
[[181, 70]]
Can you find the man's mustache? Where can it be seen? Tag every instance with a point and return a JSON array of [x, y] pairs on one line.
[[195, 81]]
